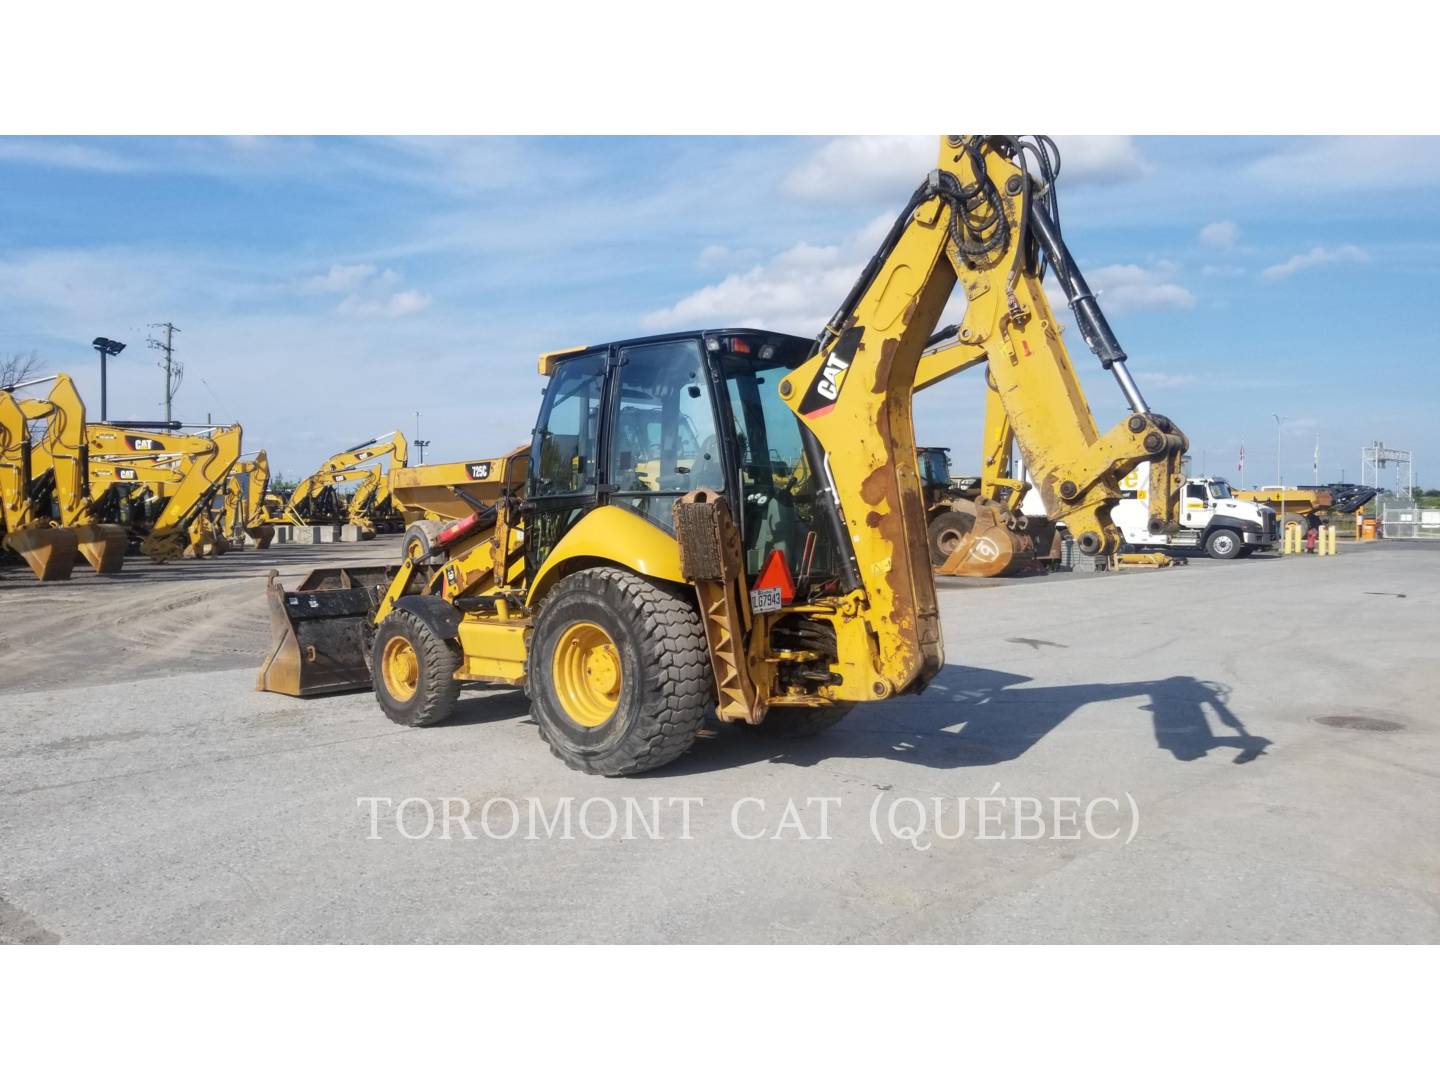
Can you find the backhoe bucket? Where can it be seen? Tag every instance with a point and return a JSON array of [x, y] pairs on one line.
[[320, 632], [49, 552], [103, 546], [262, 535], [989, 549]]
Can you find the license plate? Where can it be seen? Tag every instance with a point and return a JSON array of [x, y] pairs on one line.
[[763, 600]]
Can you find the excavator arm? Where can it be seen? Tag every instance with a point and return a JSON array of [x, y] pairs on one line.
[[48, 550], [244, 501], [191, 468], [63, 455], [982, 221], [339, 468]]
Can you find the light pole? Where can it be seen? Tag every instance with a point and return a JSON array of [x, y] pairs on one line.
[[1279, 420], [105, 347], [420, 444]]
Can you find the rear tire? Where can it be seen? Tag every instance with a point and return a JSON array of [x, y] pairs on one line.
[[619, 674], [1223, 544], [413, 671], [947, 530], [419, 538], [799, 722]]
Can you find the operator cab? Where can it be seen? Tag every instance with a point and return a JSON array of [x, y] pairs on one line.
[[934, 467], [636, 424]]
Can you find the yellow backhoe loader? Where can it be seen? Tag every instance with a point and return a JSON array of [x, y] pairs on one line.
[[49, 550], [183, 470], [731, 520], [315, 501], [60, 465]]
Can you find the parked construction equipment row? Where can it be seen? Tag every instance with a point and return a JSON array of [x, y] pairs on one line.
[[71, 489]]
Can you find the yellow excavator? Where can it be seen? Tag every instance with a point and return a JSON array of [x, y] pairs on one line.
[[315, 500], [184, 471], [60, 467], [731, 521], [49, 550], [243, 512]]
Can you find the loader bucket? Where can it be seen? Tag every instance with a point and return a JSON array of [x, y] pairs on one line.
[[320, 632], [49, 552], [262, 535], [103, 546], [989, 549]]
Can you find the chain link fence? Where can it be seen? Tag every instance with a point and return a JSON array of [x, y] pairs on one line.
[[1403, 519]]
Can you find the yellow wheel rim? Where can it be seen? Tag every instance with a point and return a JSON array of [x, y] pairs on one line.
[[414, 551], [400, 668], [586, 674]]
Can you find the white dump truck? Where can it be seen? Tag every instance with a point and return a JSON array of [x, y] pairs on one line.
[[1211, 517]]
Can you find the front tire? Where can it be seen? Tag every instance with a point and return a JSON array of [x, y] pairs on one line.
[[413, 670], [619, 674], [1223, 544]]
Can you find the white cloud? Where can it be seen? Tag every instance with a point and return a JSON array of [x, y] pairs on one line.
[[795, 291], [394, 306], [1316, 256], [863, 167], [341, 278], [58, 153], [370, 292], [1223, 235], [798, 289], [1099, 158], [1351, 163], [1129, 287]]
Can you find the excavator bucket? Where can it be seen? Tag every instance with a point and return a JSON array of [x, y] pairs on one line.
[[319, 632], [262, 535], [103, 546], [49, 552], [989, 549]]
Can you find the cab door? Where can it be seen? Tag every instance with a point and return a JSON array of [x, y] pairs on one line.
[[1194, 506], [565, 477]]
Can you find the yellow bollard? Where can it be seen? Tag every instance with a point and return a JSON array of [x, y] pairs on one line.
[[1327, 538], [1292, 539]]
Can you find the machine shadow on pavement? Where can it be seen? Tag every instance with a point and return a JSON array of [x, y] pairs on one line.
[[486, 708], [973, 716]]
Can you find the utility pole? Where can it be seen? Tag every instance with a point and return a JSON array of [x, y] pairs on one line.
[[174, 370]]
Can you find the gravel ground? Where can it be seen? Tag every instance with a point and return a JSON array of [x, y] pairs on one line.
[[149, 794]]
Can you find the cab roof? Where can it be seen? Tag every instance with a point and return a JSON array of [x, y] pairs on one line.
[[549, 359]]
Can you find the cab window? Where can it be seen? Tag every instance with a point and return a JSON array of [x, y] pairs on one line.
[[664, 442], [563, 457]]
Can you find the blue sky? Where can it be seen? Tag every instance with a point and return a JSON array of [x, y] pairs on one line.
[[327, 289]]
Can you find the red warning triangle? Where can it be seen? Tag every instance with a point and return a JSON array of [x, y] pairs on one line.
[[776, 574]]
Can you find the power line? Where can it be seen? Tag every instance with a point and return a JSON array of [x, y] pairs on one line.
[[174, 370]]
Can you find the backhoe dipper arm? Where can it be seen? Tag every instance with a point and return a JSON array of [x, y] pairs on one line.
[[1010, 327], [978, 220]]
